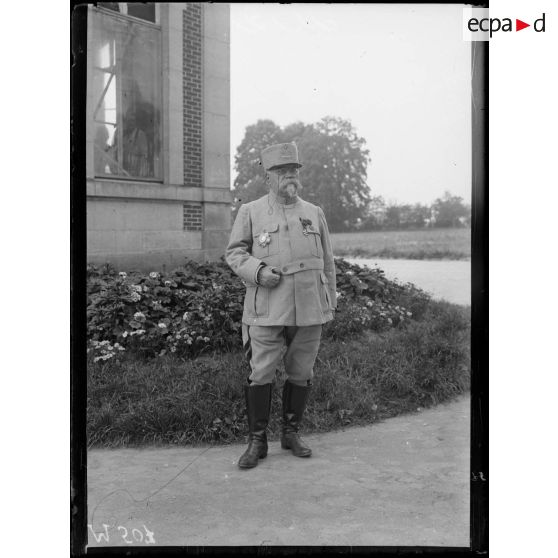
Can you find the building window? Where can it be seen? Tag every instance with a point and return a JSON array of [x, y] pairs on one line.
[[141, 10], [126, 88]]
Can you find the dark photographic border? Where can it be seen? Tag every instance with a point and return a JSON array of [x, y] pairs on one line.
[[479, 331]]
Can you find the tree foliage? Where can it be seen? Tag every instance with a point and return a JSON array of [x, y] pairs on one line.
[[450, 211], [406, 216], [382, 215], [334, 171]]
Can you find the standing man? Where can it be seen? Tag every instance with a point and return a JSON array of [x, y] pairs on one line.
[[280, 247]]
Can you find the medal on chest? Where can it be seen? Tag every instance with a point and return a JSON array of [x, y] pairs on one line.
[[264, 239], [306, 225]]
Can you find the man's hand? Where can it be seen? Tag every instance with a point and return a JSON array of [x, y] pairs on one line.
[[269, 277]]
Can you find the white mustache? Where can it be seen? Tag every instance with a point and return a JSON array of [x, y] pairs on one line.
[[292, 180], [291, 189]]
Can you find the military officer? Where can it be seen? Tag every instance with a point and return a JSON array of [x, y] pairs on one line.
[[280, 247]]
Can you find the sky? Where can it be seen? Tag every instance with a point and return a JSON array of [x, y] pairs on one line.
[[399, 72]]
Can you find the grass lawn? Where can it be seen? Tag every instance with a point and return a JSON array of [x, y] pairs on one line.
[[424, 244], [359, 380]]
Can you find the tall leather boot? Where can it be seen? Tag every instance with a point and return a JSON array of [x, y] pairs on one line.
[[258, 405], [294, 403]]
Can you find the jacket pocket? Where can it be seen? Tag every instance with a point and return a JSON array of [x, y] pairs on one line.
[[256, 302], [314, 240], [266, 241]]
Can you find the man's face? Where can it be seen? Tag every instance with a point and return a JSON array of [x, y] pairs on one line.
[[284, 181]]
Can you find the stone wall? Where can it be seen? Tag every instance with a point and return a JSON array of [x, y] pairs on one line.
[[216, 126]]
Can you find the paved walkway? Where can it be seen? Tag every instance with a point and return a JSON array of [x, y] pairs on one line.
[[401, 482], [444, 279]]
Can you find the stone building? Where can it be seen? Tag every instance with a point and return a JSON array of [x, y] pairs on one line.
[[158, 119]]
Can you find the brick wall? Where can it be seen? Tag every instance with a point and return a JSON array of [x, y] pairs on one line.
[[192, 217], [192, 94]]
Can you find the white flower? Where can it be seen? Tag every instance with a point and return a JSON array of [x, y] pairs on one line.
[[145, 289], [135, 297], [350, 272], [186, 316], [139, 316], [168, 283], [339, 295], [409, 314], [136, 288], [123, 274], [153, 275], [125, 334], [206, 339], [161, 325]]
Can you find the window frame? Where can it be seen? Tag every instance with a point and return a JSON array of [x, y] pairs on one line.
[[108, 11], [120, 177]]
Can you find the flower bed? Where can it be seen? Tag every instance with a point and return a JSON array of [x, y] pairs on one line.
[[198, 308]]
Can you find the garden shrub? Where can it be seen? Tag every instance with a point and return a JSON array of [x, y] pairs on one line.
[[198, 308], [365, 378]]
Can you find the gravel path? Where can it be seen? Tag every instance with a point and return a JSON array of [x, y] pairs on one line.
[[401, 482]]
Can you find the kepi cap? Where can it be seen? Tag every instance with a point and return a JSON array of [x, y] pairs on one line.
[[279, 155]]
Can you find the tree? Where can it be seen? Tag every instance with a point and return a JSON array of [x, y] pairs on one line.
[[405, 216], [418, 216], [393, 216], [450, 211], [375, 214], [333, 175]]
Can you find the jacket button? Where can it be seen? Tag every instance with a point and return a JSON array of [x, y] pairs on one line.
[[285, 269], [301, 264]]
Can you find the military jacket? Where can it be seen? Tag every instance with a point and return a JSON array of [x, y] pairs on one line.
[[294, 239]]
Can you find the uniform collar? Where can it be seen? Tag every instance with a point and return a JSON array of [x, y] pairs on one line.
[[280, 200]]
